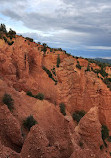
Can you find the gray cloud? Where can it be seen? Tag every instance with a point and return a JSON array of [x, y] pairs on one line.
[[73, 23]]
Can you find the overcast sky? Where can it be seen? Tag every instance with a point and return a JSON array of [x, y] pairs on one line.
[[82, 27]]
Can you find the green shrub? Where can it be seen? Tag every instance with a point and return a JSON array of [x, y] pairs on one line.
[[88, 68], [105, 144], [5, 39], [10, 43], [96, 70], [29, 93], [101, 147], [44, 49], [104, 132], [29, 39], [51, 50], [39, 96], [11, 34], [109, 139], [49, 74], [47, 71], [3, 28], [81, 144], [29, 122], [7, 99], [103, 72], [53, 71], [78, 65], [77, 115], [62, 108], [39, 43], [107, 81], [58, 61]]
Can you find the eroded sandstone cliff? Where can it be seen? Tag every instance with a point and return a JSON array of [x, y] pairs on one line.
[[23, 67]]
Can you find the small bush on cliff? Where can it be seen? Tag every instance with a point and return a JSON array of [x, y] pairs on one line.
[[29, 39], [3, 28], [107, 81], [44, 49], [88, 68], [10, 43], [53, 71], [49, 74], [104, 132], [109, 139], [101, 147], [47, 71], [62, 108], [103, 72], [29, 93], [6, 41], [29, 122], [39, 96], [78, 65], [7, 99], [58, 61], [77, 115], [81, 144], [11, 34]]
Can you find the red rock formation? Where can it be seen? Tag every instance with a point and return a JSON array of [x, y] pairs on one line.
[[6, 152], [89, 139], [55, 135]]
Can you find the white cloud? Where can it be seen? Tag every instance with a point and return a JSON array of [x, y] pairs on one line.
[[99, 47], [71, 23]]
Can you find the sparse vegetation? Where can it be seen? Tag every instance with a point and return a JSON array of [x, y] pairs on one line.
[[11, 34], [107, 81], [81, 144], [51, 50], [39, 96], [44, 49], [53, 71], [101, 147], [77, 115], [6, 41], [47, 71], [62, 108], [3, 28], [29, 122], [103, 72], [58, 60], [88, 68], [7, 99], [39, 43], [78, 65], [49, 74], [99, 63], [29, 93], [104, 132], [109, 139], [29, 39], [4, 34]]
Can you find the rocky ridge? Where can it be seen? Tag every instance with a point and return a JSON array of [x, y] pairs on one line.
[[55, 135]]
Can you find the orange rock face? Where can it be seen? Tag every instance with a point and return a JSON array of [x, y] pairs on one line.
[[55, 135], [89, 140]]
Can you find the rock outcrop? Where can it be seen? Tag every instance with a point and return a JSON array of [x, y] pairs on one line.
[[89, 139], [55, 136]]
